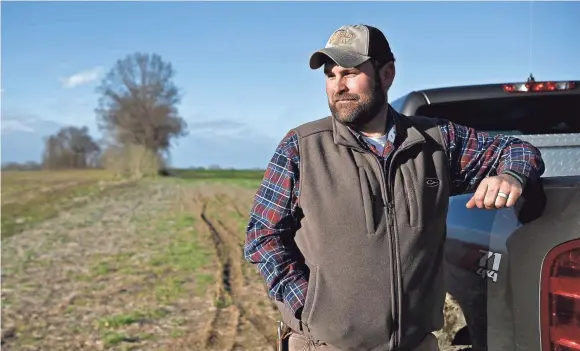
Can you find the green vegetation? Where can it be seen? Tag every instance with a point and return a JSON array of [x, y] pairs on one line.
[[209, 174], [120, 320], [248, 179]]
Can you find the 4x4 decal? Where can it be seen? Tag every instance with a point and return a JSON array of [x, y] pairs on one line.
[[484, 270]]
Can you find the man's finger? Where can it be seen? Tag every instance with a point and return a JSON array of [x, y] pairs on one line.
[[479, 194], [515, 193], [470, 203], [491, 194], [503, 195]]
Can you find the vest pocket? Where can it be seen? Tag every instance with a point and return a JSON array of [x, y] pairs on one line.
[[368, 199], [309, 302], [409, 209], [422, 194]]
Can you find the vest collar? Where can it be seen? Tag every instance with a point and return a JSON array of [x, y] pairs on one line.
[[406, 133]]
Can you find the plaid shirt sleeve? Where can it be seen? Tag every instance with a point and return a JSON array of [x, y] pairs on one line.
[[474, 155], [272, 225]]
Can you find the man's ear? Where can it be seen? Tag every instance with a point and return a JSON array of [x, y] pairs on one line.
[[387, 74]]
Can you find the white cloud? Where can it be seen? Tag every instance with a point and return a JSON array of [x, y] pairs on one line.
[[15, 125], [82, 77], [19, 120]]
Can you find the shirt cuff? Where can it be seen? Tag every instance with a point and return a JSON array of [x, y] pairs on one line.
[[521, 178]]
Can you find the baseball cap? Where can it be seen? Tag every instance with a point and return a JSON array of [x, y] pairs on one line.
[[352, 45]]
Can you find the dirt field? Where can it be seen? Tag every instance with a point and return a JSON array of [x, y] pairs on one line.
[[31, 197], [154, 265]]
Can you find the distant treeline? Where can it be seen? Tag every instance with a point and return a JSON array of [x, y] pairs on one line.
[[25, 166], [201, 173]]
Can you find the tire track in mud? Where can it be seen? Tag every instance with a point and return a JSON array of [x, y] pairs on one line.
[[226, 320], [231, 319], [259, 323]]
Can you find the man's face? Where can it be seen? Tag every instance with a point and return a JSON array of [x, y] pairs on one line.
[[355, 95]]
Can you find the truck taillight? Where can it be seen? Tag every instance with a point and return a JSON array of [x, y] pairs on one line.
[[560, 298], [538, 86]]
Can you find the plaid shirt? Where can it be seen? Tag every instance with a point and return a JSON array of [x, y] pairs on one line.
[[472, 156]]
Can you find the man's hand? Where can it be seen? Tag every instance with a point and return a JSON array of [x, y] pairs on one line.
[[496, 192]]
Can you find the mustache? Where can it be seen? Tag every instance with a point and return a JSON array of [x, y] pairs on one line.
[[346, 97]]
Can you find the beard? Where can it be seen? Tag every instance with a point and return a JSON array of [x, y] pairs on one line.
[[360, 109]]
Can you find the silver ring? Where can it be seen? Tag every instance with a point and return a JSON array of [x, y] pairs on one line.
[[504, 195]]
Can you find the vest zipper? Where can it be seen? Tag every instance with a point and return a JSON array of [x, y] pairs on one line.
[[396, 290], [392, 221], [394, 255], [389, 209]]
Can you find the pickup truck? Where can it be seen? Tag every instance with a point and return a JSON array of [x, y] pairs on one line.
[[515, 272]]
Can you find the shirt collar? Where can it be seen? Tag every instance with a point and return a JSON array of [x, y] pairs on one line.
[[391, 127]]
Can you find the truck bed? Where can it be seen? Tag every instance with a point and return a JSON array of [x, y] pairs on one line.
[[561, 153]]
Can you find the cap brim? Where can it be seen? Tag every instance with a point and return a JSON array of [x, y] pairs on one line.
[[341, 57]]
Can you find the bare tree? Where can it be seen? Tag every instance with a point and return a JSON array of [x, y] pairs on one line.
[[70, 147], [138, 103]]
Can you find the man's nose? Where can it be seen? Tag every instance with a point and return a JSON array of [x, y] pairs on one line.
[[340, 85]]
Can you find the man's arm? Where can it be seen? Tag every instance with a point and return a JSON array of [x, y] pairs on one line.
[[475, 156], [270, 231]]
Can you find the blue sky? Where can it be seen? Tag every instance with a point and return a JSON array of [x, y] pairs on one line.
[[243, 67]]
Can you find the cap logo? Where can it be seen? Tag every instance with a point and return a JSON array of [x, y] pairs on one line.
[[341, 37]]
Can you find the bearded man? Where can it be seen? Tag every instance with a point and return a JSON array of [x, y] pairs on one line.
[[349, 223]]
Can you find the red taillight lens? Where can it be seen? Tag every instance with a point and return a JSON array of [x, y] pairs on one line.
[[560, 298], [538, 86]]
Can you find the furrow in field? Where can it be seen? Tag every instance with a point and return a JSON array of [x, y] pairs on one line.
[[252, 327]]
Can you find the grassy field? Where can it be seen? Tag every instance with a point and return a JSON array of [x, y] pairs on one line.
[[32, 196], [90, 262]]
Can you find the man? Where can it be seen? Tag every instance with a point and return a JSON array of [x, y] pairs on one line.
[[348, 225]]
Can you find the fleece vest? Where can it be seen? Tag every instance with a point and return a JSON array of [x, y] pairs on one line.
[[372, 235]]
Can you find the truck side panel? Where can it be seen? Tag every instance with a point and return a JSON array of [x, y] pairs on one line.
[[499, 295]]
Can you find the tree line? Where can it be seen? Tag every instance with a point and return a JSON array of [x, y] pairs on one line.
[[137, 116]]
